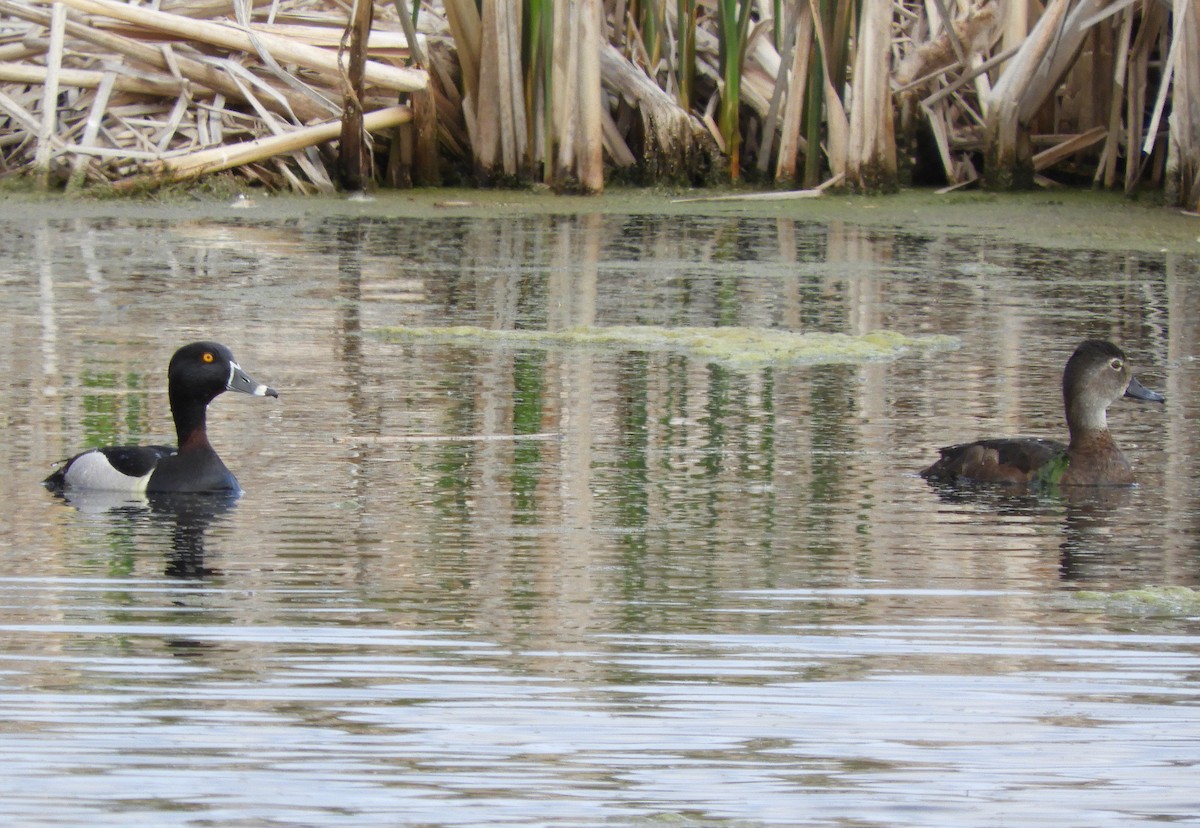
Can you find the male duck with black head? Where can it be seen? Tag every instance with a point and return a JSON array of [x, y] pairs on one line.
[[198, 373], [1097, 375]]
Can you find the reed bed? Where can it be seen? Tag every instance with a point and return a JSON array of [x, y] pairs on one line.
[[102, 91], [792, 94]]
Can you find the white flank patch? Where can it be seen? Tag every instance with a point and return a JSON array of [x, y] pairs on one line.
[[93, 471]]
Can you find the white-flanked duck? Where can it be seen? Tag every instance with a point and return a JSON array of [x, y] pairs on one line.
[[198, 373]]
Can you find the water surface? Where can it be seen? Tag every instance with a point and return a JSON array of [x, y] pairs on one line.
[[490, 583]]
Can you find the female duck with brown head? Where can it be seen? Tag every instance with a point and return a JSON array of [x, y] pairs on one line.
[[1097, 375]]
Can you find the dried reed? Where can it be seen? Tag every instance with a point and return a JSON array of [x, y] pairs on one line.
[[793, 91]]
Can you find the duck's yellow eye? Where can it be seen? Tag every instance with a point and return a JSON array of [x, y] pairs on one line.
[[1115, 364], [208, 356]]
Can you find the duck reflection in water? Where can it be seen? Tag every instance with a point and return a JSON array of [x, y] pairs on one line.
[[1096, 536], [185, 518], [1095, 520]]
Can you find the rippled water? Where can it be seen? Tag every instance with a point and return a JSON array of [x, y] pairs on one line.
[[488, 583]]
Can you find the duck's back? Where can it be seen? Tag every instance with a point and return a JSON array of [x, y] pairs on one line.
[[1012, 460]]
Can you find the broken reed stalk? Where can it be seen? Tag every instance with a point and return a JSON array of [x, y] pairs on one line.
[[91, 129], [313, 58], [423, 166], [500, 136], [785, 43], [573, 151], [466, 28], [90, 79], [41, 159], [1049, 157], [354, 158], [1183, 168], [791, 144], [220, 158], [871, 155], [561, 99]]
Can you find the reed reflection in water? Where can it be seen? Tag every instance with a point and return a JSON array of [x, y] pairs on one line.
[[493, 582]]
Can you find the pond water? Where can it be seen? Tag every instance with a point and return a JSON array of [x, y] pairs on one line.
[[490, 582]]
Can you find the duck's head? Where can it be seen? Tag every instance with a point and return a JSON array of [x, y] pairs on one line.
[[202, 370], [1097, 375]]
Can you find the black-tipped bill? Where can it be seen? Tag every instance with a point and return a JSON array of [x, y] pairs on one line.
[[1141, 392], [239, 380]]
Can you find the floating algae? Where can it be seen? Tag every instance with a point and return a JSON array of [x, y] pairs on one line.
[[1147, 602], [731, 346]]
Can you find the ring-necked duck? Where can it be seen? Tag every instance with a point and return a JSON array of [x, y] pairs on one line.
[[1097, 374], [198, 374]]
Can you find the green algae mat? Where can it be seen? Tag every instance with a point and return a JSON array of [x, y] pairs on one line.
[[1148, 601]]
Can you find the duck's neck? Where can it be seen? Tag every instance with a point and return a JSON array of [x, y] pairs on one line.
[[191, 424], [1087, 423]]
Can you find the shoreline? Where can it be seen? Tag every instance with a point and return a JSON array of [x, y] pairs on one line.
[[1059, 219]]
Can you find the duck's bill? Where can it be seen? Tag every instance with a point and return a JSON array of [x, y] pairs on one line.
[[1141, 392], [239, 380]]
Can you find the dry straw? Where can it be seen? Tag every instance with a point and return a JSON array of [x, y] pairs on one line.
[[788, 93]]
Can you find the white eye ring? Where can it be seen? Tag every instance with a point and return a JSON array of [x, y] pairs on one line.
[[1115, 364]]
